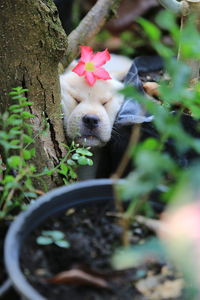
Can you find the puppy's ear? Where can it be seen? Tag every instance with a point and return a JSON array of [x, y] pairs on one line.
[[72, 65], [118, 66]]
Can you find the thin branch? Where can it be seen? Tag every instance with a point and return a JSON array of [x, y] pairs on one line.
[[135, 135], [89, 27], [155, 225], [124, 222]]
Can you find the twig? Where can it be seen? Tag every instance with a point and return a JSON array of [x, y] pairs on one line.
[[124, 222], [126, 157], [123, 164], [89, 27], [155, 225]]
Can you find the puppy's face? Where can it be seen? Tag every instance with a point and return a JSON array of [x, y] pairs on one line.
[[89, 111]]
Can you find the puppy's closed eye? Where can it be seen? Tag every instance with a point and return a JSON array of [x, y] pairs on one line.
[[105, 102]]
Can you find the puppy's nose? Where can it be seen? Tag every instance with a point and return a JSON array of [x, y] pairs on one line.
[[91, 121]]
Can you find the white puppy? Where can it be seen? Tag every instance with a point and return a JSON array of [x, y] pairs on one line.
[[90, 111]]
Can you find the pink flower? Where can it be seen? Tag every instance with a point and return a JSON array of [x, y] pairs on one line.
[[90, 64], [183, 222], [182, 237]]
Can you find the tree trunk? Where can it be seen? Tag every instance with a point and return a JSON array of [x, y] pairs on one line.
[[32, 44]]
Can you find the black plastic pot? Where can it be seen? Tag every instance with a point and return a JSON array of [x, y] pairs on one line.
[[57, 201]]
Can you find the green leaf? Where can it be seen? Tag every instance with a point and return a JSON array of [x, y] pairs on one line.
[[85, 161], [168, 20], [27, 115], [8, 178], [15, 142], [54, 234], [13, 132], [27, 103], [72, 173], [14, 121], [89, 162], [7, 146], [151, 30], [26, 154], [17, 97], [30, 195], [64, 168], [75, 156], [62, 244], [27, 139], [162, 50], [62, 172], [190, 40], [14, 161], [84, 151], [28, 183], [11, 185], [46, 171], [4, 135], [42, 240], [32, 151], [65, 181], [18, 90], [151, 144], [82, 160], [32, 168], [14, 106], [70, 162]]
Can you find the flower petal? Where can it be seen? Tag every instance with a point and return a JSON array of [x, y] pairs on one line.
[[89, 76], [100, 58], [86, 54], [101, 73], [79, 69]]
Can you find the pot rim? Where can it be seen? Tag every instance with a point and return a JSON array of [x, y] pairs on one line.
[[47, 204]]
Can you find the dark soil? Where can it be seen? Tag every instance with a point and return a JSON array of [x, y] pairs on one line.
[[93, 235], [9, 293], [3, 230]]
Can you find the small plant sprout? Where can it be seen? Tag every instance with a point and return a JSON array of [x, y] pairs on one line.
[[16, 137], [17, 172], [49, 237], [76, 156], [81, 156]]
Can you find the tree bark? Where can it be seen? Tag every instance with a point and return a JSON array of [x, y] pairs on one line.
[[32, 44]]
